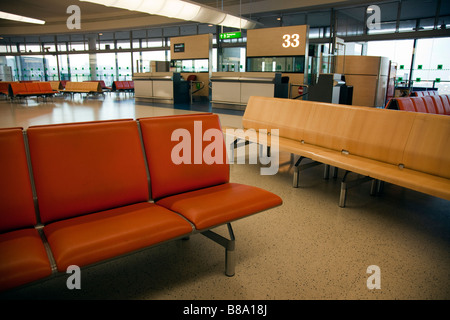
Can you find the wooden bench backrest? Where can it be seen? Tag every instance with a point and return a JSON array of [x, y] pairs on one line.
[[83, 86], [16, 198], [275, 113], [379, 134], [82, 168], [428, 146], [56, 85]]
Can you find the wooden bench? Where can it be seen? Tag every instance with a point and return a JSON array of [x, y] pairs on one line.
[[56, 85], [89, 198], [409, 149], [438, 104], [102, 84], [89, 88]]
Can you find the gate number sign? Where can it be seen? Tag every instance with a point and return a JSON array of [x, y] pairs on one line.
[[291, 40]]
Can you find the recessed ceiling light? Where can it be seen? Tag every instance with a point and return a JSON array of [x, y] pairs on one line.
[[15, 17]]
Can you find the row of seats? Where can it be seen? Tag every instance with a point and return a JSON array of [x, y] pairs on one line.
[[82, 87], [437, 104], [409, 149], [102, 189], [123, 86], [18, 89], [424, 93]]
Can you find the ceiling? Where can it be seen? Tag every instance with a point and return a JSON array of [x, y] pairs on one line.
[[101, 18]]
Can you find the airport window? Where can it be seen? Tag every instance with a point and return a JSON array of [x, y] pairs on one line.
[[431, 65], [124, 66], [79, 67]]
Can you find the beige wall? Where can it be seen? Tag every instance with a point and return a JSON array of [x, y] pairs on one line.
[[195, 47], [269, 41]]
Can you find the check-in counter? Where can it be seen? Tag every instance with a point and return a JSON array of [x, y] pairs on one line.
[[164, 86], [237, 87]]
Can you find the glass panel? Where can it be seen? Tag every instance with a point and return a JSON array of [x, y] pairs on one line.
[[124, 63], [123, 44], [51, 68], [233, 59], [195, 65], [64, 69], [431, 64], [79, 67], [276, 64], [350, 22], [398, 51], [148, 56], [106, 67], [32, 68]]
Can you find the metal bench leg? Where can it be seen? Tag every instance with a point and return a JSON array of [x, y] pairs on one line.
[[229, 245], [297, 168], [326, 172], [345, 185]]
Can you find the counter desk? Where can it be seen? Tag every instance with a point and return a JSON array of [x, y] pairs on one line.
[[235, 88], [163, 86]]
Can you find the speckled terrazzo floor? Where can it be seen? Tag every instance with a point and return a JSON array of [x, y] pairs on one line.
[[309, 248]]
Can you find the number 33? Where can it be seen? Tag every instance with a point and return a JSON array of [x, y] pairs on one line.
[[288, 38]]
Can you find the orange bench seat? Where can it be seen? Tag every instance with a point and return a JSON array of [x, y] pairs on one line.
[[23, 257], [437, 104], [97, 198]]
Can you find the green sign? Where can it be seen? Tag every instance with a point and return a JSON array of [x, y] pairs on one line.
[[419, 67], [439, 67], [231, 35], [438, 79]]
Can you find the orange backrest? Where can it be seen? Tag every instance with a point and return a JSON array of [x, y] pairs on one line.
[[126, 85], [32, 87], [429, 104], [18, 88], [131, 84], [16, 197], [168, 140], [446, 103], [81, 168], [438, 104], [117, 85], [419, 104], [405, 104], [45, 87], [4, 87]]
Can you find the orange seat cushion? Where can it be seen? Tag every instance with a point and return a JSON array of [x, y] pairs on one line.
[[217, 205], [95, 237], [23, 258]]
